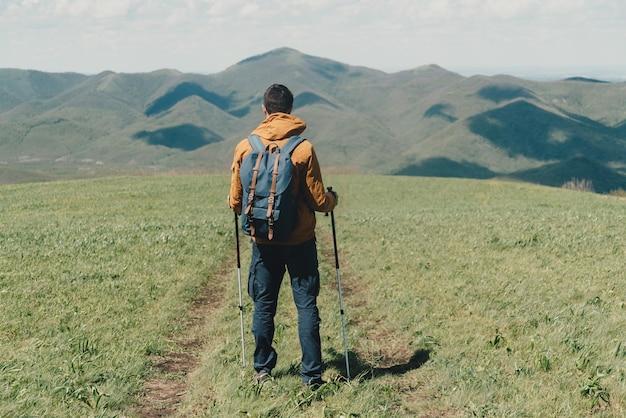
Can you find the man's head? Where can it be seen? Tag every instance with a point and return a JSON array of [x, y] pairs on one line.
[[277, 98]]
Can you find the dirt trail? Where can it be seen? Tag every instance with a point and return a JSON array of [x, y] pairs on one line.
[[163, 393]]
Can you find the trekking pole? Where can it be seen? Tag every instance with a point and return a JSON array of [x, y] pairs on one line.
[[243, 347], [343, 321]]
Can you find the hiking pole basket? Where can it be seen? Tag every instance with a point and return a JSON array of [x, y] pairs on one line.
[[341, 311], [243, 347]]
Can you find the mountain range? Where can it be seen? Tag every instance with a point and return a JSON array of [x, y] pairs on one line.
[[426, 121]]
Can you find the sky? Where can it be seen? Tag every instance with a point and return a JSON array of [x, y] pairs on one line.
[[518, 37]]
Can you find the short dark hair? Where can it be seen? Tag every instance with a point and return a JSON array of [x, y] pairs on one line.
[[278, 98]]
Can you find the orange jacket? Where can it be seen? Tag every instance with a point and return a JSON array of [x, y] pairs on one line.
[[307, 185]]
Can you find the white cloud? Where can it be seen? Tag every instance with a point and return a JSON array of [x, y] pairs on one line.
[[436, 10], [210, 35], [249, 9], [88, 9]]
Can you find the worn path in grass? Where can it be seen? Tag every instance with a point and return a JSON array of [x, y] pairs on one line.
[[395, 356], [165, 391]]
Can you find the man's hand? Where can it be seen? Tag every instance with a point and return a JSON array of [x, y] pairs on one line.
[[236, 209], [334, 194]]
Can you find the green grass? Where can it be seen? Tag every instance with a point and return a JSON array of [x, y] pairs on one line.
[[462, 298], [95, 276]]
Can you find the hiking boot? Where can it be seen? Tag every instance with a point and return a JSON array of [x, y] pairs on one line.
[[261, 376], [312, 385]]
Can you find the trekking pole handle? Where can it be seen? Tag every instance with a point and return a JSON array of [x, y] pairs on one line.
[[330, 189], [332, 223]]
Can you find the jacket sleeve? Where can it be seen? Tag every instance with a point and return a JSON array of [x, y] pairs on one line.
[[317, 197], [236, 189]]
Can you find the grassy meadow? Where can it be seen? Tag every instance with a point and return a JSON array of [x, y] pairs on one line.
[[462, 298]]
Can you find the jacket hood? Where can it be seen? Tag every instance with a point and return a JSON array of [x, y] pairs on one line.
[[280, 126]]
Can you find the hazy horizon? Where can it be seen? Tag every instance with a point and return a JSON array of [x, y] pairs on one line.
[[200, 36], [617, 74]]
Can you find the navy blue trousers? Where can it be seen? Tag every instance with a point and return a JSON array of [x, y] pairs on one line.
[[267, 269]]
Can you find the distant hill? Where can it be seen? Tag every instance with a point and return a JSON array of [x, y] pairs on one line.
[[426, 121]]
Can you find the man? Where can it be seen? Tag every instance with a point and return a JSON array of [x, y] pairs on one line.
[[297, 254]]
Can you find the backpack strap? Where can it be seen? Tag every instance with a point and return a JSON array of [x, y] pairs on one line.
[[292, 143], [256, 143]]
